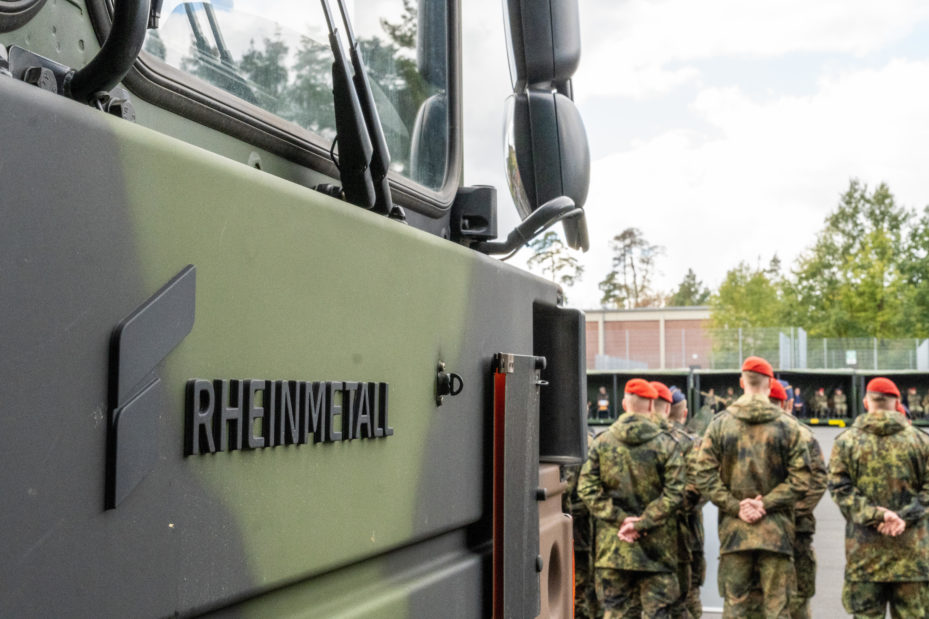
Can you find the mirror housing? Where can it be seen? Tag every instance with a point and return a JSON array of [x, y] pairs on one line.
[[547, 154], [544, 42]]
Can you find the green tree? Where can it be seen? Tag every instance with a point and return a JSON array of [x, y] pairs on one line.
[[915, 271], [554, 259], [629, 283], [748, 297], [690, 291], [855, 280]]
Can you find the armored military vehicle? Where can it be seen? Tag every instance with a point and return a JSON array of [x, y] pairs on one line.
[[260, 356]]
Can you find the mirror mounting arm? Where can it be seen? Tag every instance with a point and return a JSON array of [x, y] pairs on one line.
[[540, 220]]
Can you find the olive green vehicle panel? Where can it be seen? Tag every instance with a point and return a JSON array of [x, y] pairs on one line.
[[97, 215]]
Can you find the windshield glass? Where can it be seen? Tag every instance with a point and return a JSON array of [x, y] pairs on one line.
[[275, 54]]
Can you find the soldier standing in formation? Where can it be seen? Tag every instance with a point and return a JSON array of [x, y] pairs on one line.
[[804, 520], [690, 547], [878, 477], [754, 466], [585, 597], [633, 484]]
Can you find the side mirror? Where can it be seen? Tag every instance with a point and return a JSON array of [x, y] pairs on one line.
[[547, 154]]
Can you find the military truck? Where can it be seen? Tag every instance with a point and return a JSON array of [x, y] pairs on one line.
[[260, 355]]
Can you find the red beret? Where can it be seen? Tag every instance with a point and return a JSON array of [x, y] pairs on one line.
[[759, 366], [663, 392], [640, 387], [778, 392], [883, 385]]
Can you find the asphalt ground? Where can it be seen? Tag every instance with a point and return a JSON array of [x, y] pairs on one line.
[[828, 542]]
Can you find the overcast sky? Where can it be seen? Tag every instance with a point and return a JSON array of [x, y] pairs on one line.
[[725, 130]]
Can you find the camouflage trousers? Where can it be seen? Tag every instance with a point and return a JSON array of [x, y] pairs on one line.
[[740, 573], [684, 579], [585, 594], [697, 577], [865, 600], [628, 594], [805, 565]]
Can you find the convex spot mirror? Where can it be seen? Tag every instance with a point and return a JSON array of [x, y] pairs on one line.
[[543, 42], [547, 155]]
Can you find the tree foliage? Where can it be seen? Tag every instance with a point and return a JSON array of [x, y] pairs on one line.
[[554, 259], [860, 276], [748, 297], [690, 291], [630, 282]]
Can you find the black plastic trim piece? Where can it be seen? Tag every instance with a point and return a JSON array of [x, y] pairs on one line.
[[16, 13], [141, 341], [175, 91], [558, 334]]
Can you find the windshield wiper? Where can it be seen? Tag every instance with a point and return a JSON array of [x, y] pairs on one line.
[[380, 158], [363, 155]]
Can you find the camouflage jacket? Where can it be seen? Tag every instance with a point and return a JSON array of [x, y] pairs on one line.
[[634, 469], [881, 461], [753, 449], [690, 517], [805, 521]]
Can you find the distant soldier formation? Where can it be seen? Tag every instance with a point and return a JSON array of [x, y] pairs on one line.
[[637, 503]]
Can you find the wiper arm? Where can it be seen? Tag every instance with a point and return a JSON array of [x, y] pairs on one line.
[[355, 148], [380, 159]]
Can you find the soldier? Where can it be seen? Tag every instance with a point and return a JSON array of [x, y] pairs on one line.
[[878, 477], [603, 404], [585, 595], [754, 466], [729, 398], [915, 403], [691, 562], [804, 520], [633, 482], [710, 399], [662, 405], [799, 404], [819, 403], [841, 403]]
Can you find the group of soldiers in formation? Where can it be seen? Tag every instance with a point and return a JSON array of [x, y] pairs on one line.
[[637, 503]]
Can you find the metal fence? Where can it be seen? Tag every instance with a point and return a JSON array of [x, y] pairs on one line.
[[787, 348], [790, 348]]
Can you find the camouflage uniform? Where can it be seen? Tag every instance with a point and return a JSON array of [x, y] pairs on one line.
[[819, 404], [916, 405], [805, 526], [634, 469], [585, 595], [690, 531], [881, 461], [841, 404], [753, 449]]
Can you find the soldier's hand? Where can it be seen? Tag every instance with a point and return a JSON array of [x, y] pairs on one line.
[[893, 524], [751, 510], [627, 532]]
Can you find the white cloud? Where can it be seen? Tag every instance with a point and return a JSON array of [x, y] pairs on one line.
[[764, 180]]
